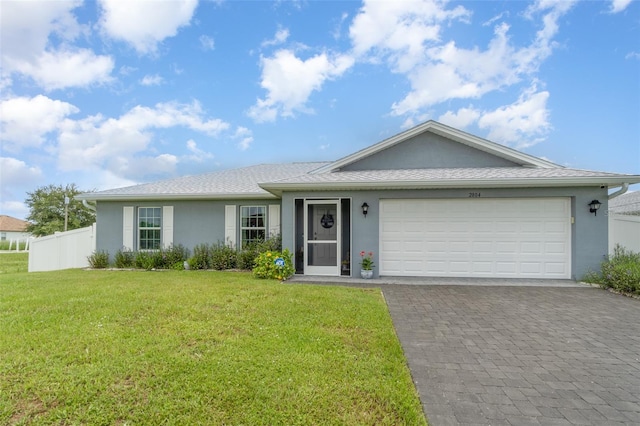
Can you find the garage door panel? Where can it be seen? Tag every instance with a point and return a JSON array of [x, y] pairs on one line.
[[476, 237]]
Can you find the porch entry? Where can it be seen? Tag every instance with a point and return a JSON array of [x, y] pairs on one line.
[[323, 236]]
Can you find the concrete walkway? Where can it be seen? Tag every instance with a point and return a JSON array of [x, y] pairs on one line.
[[519, 354]]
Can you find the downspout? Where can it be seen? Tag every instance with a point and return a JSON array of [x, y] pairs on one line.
[[619, 192], [89, 206]]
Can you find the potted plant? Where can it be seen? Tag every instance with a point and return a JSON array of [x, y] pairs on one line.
[[366, 264]]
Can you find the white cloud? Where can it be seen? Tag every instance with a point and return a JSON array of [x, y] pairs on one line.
[[16, 209], [245, 137], [16, 177], [152, 80], [27, 48], [407, 36], [26, 121], [280, 37], [290, 81], [15, 172], [70, 68], [197, 155], [521, 124], [619, 5], [207, 43], [400, 30], [144, 24], [116, 144], [461, 119], [632, 55]]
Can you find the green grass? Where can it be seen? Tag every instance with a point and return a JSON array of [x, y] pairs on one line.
[[190, 347], [4, 245], [13, 262]]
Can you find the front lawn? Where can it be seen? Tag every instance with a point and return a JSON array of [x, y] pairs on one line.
[[190, 347]]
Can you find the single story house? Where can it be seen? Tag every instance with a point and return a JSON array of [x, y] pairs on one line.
[[627, 204], [12, 229], [430, 201]]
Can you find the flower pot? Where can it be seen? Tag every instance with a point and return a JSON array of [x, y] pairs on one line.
[[366, 274]]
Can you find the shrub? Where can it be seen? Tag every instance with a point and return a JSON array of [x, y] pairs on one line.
[[274, 265], [247, 257], [201, 257], [274, 243], [223, 257], [176, 254], [99, 259], [621, 272], [145, 260], [124, 259]]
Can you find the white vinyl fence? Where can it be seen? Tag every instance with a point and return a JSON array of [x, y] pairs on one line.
[[62, 250], [624, 230]]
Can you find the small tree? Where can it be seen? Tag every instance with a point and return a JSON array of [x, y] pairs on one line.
[[46, 210]]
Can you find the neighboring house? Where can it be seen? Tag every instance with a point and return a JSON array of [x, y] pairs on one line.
[[12, 228], [441, 202], [628, 204], [624, 222]]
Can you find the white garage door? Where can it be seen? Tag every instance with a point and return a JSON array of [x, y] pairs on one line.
[[510, 238]]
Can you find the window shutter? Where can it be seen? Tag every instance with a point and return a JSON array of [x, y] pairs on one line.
[[230, 225], [167, 226], [127, 228], [274, 220]]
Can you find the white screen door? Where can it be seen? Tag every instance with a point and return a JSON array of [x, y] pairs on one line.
[[322, 237]]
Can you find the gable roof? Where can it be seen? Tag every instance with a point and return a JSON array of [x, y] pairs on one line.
[[628, 203], [225, 184], [12, 224], [451, 134], [268, 181]]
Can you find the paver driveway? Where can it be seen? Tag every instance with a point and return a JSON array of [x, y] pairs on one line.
[[520, 355]]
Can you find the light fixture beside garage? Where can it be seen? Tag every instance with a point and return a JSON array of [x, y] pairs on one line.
[[365, 209], [594, 206]]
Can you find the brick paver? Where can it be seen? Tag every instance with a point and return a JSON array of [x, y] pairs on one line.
[[520, 355]]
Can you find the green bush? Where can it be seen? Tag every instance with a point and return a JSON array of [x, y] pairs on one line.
[[145, 260], [267, 265], [124, 259], [99, 259], [621, 272], [274, 243], [247, 257], [176, 254], [223, 257], [201, 258]]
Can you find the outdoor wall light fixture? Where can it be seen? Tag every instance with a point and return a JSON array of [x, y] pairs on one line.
[[594, 206], [365, 209]]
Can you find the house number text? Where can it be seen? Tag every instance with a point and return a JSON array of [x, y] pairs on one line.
[[474, 195]]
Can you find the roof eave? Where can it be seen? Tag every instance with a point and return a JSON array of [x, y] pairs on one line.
[[279, 188], [169, 197]]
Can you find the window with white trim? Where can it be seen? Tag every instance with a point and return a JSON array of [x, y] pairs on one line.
[[149, 227], [253, 221]]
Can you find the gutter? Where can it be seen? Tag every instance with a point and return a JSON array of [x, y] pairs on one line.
[[619, 192], [89, 206]]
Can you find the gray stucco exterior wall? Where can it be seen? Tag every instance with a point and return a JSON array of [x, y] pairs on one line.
[[194, 222], [589, 232], [428, 150]]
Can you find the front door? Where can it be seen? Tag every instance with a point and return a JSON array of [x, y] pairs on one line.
[[322, 237]]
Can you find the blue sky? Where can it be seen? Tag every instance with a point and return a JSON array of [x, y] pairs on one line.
[[112, 93]]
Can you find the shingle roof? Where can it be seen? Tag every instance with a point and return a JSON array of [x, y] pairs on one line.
[[242, 182], [12, 224], [628, 203], [448, 177]]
